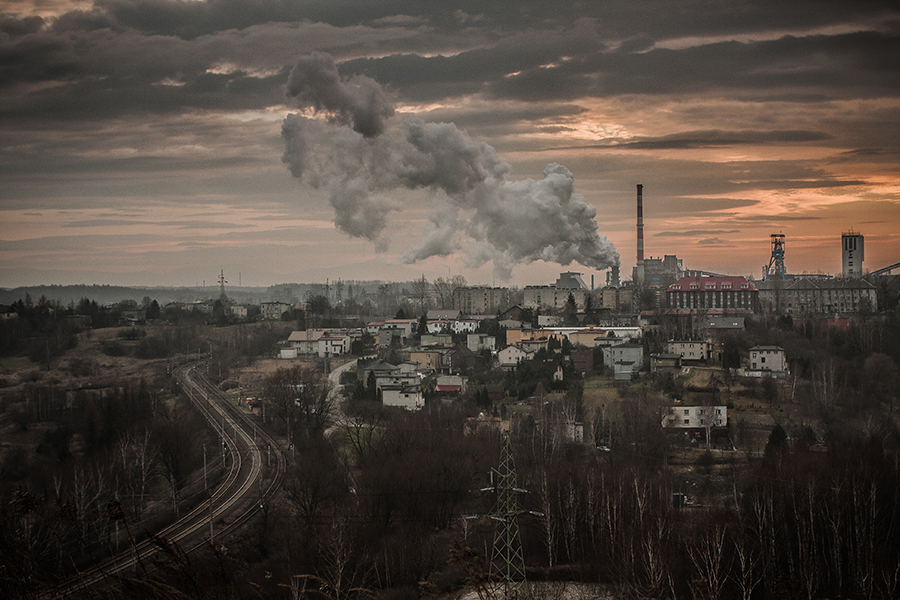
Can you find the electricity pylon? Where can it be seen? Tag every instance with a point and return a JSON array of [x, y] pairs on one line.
[[507, 561]]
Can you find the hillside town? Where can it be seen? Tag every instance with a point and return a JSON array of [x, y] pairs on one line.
[[684, 389]]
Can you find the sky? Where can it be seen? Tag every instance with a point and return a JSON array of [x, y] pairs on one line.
[[162, 142]]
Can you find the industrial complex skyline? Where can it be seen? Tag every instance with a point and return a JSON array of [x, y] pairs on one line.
[[158, 142]]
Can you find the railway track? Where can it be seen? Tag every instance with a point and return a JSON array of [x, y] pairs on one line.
[[255, 470]]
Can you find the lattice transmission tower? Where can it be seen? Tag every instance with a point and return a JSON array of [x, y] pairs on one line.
[[507, 561]]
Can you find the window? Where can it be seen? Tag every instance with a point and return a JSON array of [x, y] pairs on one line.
[[687, 421], [687, 411]]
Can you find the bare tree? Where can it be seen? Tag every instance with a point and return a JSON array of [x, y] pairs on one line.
[[137, 455], [443, 289], [300, 396], [421, 293], [707, 554]]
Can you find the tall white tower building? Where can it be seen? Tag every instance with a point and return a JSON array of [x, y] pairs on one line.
[[852, 253]]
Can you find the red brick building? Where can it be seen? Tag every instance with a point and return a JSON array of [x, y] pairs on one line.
[[720, 294]]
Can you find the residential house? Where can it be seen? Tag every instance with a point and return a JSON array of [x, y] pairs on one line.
[[767, 358], [665, 362], [692, 352], [457, 358], [464, 326], [428, 357], [402, 395], [272, 311], [402, 390], [624, 359], [696, 417], [379, 367], [334, 344], [306, 342], [480, 341], [533, 345], [443, 315], [450, 385], [511, 356]]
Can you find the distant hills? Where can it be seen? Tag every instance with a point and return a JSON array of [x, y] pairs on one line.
[[110, 294]]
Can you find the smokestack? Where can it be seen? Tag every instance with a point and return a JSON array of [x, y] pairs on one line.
[[639, 269]]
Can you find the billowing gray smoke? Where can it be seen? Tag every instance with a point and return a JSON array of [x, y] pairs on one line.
[[360, 155]]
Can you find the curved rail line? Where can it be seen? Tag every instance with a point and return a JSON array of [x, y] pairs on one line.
[[242, 492]]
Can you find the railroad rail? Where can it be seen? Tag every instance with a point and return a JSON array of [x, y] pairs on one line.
[[244, 489]]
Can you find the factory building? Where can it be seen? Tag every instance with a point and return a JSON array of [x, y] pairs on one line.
[[805, 296], [705, 294]]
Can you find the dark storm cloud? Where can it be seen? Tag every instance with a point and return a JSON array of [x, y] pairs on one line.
[[160, 55], [713, 138], [832, 66], [655, 18]]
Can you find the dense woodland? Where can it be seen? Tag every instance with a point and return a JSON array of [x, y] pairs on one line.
[[377, 504]]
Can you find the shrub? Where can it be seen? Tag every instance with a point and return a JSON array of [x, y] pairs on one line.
[[114, 348]]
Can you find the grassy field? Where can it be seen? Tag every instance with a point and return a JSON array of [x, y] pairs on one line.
[[12, 363]]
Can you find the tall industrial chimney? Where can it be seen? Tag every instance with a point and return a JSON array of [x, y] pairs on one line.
[[639, 268]]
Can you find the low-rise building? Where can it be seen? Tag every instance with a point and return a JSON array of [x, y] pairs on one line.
[[624, 359], [511, 356], [696, 417], [767, 358], [272, 311], [428, 358], [402, 395], [692, 352], [477, 342], [665, 362]]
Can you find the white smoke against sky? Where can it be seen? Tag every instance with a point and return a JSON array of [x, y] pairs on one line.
[[360, 153]]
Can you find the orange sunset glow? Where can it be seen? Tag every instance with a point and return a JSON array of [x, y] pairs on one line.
[[159, 142]]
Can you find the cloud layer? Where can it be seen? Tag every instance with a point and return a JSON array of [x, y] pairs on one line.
[[427, 128]]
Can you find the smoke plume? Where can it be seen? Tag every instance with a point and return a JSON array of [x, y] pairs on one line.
[[362, 156]]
